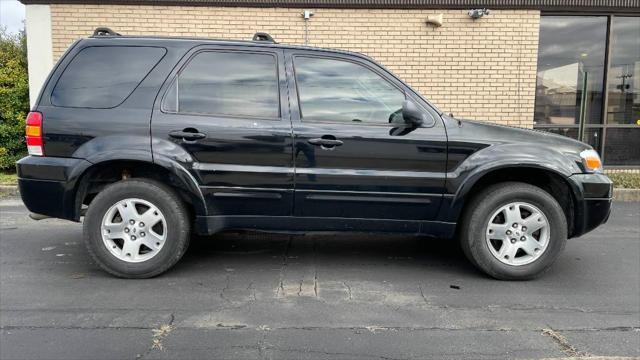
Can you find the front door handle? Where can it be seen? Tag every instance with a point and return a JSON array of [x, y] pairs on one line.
[[188, 134], [325, 142]]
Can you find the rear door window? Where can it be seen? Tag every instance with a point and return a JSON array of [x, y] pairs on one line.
[[103, 77], [237, 84]]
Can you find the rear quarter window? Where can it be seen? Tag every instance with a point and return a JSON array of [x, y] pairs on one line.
[[104, 76]]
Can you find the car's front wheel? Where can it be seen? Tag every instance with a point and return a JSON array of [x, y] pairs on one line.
[[136, 228], [513, 231]]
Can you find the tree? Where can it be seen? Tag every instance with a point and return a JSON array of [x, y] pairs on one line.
[[14, 97]]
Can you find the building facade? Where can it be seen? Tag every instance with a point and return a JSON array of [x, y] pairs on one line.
[[567, 66]]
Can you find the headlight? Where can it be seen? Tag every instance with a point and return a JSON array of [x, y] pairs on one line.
[[591, 161]]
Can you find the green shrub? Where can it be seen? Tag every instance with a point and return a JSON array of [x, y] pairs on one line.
[[14, 97], [625, 180], [8, 179]]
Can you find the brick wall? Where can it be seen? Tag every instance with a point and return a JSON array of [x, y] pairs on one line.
[[483, 69]]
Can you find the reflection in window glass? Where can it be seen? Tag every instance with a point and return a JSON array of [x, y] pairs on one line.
[[624, 72], [593, 137], [621, 147], [571, 49], [236, 84], [571, 132], [104, 76], [335, 90]]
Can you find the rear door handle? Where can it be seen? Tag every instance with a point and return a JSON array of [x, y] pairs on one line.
[[187, 134], [325, 142]]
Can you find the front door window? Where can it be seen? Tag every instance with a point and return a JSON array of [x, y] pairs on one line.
[[337, 90]]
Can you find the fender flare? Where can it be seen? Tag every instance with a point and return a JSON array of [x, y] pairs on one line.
[[187, 181], [473, 169]]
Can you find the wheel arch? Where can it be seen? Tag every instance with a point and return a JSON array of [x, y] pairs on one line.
[[550, 180], [99, 175]]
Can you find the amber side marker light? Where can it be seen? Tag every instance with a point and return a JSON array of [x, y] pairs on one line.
[[591, 161], [33, 132]]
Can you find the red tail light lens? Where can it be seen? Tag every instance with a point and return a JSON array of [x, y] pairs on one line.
[[33, 132]]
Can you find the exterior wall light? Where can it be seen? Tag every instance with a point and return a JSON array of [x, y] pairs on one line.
[[478, 13], [435, 20], [306, 15]]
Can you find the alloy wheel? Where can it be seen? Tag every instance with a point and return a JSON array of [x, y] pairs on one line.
[[518, 233], [134, 230]]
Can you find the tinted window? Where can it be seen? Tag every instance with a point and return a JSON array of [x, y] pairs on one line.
[[227, 83], [336, 90], [103, 77]]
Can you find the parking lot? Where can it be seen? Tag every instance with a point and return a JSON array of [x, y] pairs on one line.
[[261, 296]]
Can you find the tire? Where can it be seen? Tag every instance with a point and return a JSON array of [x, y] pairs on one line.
[[171, 230], [495, 204]]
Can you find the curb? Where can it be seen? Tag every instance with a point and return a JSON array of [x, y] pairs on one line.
[[9, 190], [626, 195]]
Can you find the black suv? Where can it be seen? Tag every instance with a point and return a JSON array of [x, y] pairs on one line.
[[151, 139]]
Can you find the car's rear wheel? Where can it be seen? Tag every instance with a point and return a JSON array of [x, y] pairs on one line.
[[513, 231], [137, 228]]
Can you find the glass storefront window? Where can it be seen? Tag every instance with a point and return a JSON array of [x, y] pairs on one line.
[[593, 137], [622, 147], [624, 72], [571, 58], [572, 66]]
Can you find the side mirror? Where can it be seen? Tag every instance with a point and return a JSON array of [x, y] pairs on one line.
[[412, 114]]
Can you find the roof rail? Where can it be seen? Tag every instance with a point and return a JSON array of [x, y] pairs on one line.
[[263, 36], [104, 31]]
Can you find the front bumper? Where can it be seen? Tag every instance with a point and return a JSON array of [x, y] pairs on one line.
[[47, 185], [594, 194]]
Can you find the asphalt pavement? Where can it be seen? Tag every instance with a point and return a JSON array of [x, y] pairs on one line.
[[264, 296]]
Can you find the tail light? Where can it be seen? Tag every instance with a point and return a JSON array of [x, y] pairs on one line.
[[33, 134]]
